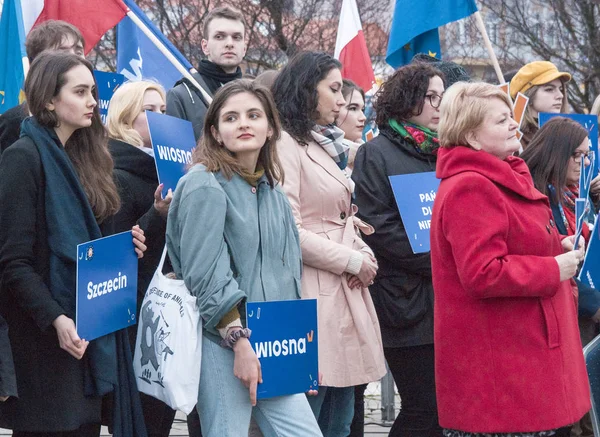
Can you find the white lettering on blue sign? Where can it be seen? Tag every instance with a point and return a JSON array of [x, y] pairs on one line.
[[589, 278], [173, 154], [104, 104], [97, 290], [424, 224], [276, 348]]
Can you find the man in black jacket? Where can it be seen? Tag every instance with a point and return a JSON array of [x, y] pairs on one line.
[[224, 46], [49, 35]]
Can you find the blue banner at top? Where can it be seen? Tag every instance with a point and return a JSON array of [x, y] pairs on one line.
[[107, 84]]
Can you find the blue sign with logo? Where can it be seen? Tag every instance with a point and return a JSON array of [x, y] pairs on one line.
[[107, 84], [173, 142], [284, 337], [414, 194], [589, 122], [590, 271], [107, 271]]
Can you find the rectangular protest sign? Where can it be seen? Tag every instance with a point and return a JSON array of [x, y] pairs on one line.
[[173, 142], [414, 194], [285, 340], [589, 122], [590, 271], [106, 285], [107, 84]]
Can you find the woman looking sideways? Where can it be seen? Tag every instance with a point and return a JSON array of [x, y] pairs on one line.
[[338, 265]]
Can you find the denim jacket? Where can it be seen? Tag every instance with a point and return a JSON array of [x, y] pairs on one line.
[[231, 243]]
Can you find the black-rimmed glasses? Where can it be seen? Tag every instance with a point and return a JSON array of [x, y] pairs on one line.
[[434, 100]]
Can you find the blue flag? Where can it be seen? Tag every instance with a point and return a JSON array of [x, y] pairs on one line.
[[415, 27], [12, 52]]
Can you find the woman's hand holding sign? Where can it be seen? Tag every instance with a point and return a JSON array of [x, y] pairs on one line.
[[68, 338], [246, 367]]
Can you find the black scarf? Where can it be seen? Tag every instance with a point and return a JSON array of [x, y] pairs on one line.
[[70, 221], [214, 76]]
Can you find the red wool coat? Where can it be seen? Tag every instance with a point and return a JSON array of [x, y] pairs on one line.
[[507, 352]]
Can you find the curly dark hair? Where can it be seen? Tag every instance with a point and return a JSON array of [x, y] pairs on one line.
[[403, 94], [295, 91]]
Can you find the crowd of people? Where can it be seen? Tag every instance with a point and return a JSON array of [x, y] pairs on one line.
[[483, 334]]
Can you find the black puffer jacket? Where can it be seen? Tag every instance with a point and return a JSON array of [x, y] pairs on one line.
[[403, 289]]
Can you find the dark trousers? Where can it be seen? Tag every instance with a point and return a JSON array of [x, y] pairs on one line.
[[413, 372], [91, 430], [357, 429]]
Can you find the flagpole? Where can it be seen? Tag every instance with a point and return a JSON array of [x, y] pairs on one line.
[[488, 46], [160, 46]]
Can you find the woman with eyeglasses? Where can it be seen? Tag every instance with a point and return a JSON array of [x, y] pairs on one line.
[[407, 108], [554, 158]]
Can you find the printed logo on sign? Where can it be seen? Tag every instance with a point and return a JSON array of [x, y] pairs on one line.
[[292, 346], [89, 253]]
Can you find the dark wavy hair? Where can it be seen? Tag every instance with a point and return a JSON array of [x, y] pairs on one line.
[[295, 91], [216, 157], [549, 152], [403, 94], [87, 147]]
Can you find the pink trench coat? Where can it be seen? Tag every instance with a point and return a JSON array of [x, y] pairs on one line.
[[350, 348]]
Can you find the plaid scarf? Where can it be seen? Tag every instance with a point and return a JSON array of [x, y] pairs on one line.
[[331, 139]]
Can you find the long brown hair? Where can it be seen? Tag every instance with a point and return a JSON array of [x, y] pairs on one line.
[[87, 147], [216, 158], [549, 152]]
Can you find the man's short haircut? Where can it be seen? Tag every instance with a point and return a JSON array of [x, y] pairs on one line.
[[50, 35], [227, 12]]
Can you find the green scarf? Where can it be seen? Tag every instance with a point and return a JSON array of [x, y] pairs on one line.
[[424, 140]]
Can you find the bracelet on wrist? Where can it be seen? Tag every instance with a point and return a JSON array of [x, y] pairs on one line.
[[231, 339]]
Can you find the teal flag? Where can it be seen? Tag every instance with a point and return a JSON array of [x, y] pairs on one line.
[[12, 52]]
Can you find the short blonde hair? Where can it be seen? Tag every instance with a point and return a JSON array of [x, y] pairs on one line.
[[463, 109], [125, 105]]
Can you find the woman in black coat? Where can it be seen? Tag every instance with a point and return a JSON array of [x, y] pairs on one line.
[[407, 117], [57, 191]]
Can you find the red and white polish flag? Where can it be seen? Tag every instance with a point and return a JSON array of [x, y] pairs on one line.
[[351, 47], [93, 18]]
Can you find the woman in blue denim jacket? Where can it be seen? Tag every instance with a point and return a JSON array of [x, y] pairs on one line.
[[232, 238]]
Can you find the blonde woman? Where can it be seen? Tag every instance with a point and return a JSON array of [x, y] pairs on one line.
[[508, 358], [546, 88], [141, 200]]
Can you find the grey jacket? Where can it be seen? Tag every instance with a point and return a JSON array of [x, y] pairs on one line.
[[185, 101], [231, 243]]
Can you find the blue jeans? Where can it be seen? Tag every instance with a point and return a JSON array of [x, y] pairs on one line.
[[334, 409], [225, 409]]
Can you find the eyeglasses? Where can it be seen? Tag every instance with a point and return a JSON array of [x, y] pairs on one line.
[[578, 156], [434, 100]]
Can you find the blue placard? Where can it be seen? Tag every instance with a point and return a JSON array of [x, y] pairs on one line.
[[106, 285], [590, 271], [107, 84], [589, 122], [414, 194], [284, 337], [173, 142]]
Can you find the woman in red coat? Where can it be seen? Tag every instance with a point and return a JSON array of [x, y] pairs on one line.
[[508, 357]]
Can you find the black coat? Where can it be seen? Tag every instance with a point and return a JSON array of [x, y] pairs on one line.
[[10, 125], [403, 288], [8, 380], [50, 381], [136, 179]]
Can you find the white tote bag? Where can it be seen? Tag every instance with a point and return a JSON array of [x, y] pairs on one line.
[[168, 349]]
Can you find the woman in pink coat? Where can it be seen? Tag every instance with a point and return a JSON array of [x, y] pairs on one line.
[[338, 265], [508, 358]]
